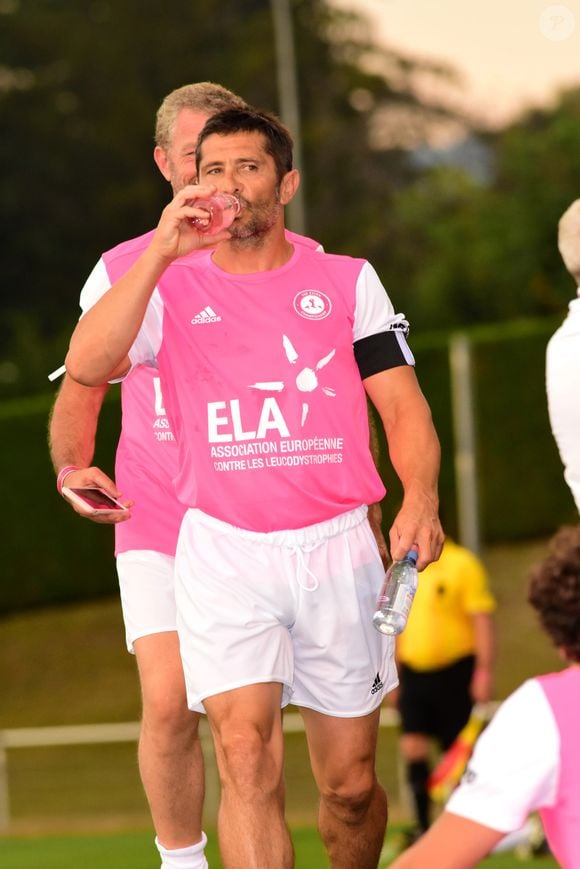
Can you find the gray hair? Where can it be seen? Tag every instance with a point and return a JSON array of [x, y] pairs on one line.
[[203, 96], [569, 239]]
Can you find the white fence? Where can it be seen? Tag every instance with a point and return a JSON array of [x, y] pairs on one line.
[[128, 732]]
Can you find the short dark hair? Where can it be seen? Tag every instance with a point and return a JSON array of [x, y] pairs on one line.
[[278, 141], [554, 591]]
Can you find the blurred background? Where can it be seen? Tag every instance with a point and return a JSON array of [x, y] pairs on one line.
[[438, 140]]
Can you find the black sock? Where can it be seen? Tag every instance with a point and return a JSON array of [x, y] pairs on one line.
[[417, 775]]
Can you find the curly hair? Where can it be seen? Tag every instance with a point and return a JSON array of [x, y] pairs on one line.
[[554, 591]]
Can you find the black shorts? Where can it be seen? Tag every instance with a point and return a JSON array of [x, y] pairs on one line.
[[436, 702]]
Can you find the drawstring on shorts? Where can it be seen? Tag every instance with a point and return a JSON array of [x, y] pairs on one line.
[[302, 568], [298, 542]]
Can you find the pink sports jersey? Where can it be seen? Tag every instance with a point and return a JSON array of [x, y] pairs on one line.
[[562, 820], [262, 387], [145, 466], [146, 459], [147, 455]]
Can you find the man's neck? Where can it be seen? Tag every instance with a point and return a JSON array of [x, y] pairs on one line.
[[261, 254]]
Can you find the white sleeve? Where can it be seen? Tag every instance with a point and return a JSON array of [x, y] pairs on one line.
[[374, 311], [515, 766], [96, 285], [148, 340]]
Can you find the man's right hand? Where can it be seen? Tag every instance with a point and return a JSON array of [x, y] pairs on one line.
[[175, 235], [84, 477]]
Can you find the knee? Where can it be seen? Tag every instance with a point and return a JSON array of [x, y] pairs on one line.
[[166, 715], [349, 797], [249, 762]]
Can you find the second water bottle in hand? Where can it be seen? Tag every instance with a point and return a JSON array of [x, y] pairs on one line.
[[396, 595]]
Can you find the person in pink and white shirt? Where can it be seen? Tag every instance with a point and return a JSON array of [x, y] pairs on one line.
[[170, 758], [528, 758], [277, 570]]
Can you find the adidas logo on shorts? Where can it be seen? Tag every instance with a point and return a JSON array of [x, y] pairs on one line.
[[208, 315], [377, 685]]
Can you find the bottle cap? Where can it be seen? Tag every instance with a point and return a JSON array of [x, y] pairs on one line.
[[412, 555]]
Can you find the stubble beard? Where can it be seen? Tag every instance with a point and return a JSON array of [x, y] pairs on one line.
[[179, 182], [261, 217]]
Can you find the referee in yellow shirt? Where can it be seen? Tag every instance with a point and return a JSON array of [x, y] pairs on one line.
[[445, 658]]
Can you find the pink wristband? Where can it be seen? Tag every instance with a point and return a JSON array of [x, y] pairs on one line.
[[64, 472]]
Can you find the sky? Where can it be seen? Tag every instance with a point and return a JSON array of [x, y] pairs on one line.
[[511, 53]]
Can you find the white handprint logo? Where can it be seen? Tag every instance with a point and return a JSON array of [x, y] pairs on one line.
[[306, 380]]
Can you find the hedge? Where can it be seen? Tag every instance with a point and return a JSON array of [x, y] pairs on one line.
[[50, 555]]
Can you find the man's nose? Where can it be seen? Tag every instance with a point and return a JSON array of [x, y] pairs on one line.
[[232, 182]]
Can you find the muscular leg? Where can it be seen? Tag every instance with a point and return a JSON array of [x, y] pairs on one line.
[[170, 758], [353, 805], [415, 751], [247, 732]]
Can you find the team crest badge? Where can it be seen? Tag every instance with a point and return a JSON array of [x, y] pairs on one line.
[[312, 304]]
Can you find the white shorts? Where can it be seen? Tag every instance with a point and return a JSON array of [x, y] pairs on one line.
[[147, 584], [293, 607]]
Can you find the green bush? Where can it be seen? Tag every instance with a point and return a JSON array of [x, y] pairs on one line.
[[521, 483], [50, 554]]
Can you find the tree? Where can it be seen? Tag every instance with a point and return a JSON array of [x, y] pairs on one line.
[[79, 88], [467, 252]]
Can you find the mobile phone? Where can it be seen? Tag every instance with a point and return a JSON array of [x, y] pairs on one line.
[[92, 500]]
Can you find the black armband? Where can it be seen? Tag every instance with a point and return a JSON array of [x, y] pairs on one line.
[[382, 351]]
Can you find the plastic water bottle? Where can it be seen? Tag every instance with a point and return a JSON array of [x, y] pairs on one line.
[[222, 209], [394, 601]]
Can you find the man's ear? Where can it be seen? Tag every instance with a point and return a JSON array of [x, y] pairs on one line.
[[289, 185], [160, 157]]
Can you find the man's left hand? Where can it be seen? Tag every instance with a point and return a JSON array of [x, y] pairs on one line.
[[417, 526]]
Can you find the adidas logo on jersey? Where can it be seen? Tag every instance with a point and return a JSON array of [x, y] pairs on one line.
[[377, 684], [208, 315]]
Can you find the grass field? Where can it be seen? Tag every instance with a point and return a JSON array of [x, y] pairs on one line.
[[68, 665], [136, 851]]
